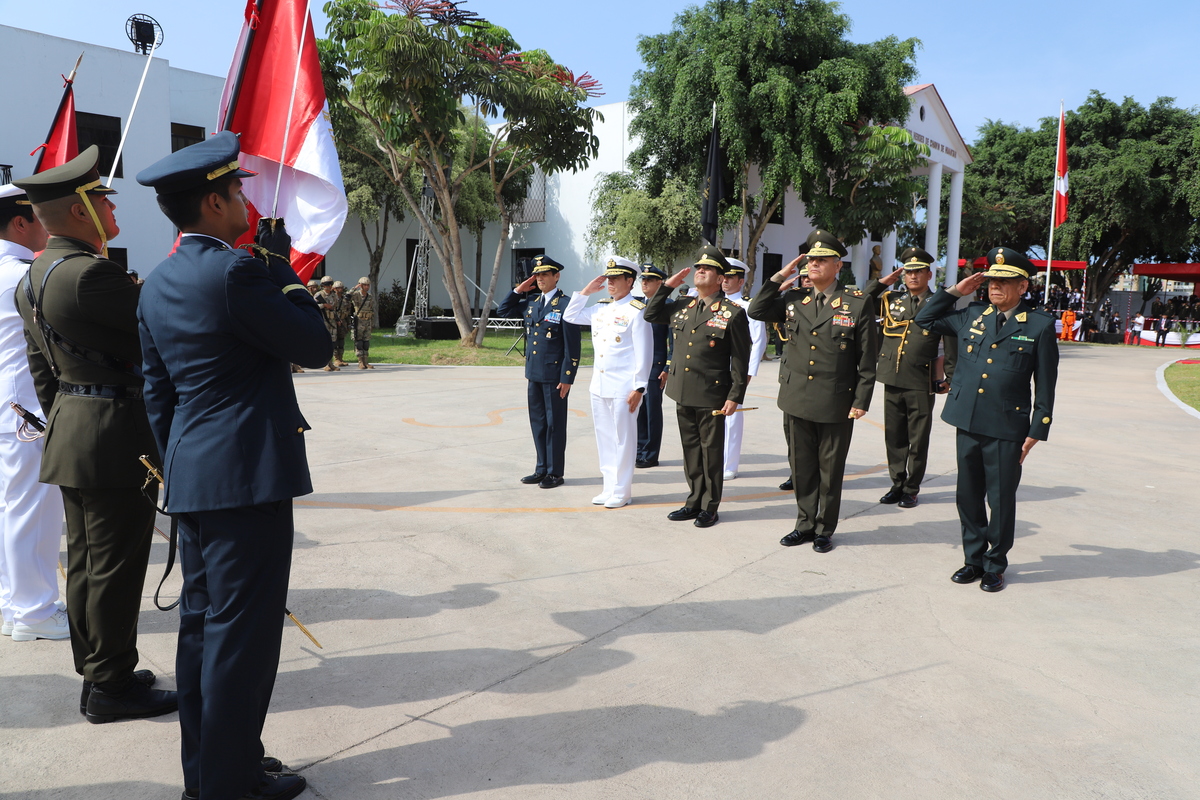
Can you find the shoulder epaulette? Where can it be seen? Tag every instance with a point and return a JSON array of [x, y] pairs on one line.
[[637, 303], [857, 293]]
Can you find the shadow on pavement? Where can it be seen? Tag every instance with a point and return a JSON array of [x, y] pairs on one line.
[[125, 790], [561, 748], [328, 605], [1105, 562]]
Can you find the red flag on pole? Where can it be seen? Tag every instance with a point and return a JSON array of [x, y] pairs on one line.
[[61, 144], [1060, 173], [274, 99]]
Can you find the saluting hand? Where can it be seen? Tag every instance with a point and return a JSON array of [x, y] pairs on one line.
[[595, 285], [967, 286], [526, 285], [788, 271], [674, 280], [892, 278]]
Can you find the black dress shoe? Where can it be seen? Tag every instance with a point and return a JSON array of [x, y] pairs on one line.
[[908, 501], [992, 581], [269, 764], [142, 676], [796, 537], [645, 463], [129, 699], [706, 519], [787, 486], [967, 574], [893, 496], [277, 787], [684, 513], [536, 477], [551, 481], [823, 544]]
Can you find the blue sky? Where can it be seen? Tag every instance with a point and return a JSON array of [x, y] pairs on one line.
[[1011, 61]]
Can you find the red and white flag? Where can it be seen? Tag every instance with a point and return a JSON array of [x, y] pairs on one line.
[[1060, 173], [61, 144], [274, 99]]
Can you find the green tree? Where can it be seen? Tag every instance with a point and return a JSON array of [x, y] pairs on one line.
[[794, 101], [628, 220], [405, 66]]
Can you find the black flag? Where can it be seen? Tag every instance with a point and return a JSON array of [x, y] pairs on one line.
[[714, 187]]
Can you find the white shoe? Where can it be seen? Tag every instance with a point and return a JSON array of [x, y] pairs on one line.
[[6, 628], [600, 499], [729, 475], [55, 627], [617, 502]]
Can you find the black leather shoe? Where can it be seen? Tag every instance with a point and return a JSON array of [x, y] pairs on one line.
[[643, 463], [142, 676], [683, 513], [992, 581], [536, 477], [823, 544], [706, 519], [893, 496], [109, 702], [787, 486], [908, 501], [796, 537], [551, 481], [967, 574], [270, 764], [277, 787]]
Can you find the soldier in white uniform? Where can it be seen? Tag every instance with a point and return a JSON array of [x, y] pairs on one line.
[[623, 346], [731, 285], [31, 513]]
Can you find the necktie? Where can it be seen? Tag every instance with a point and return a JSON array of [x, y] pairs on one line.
[[820, 301], [1000, 320]]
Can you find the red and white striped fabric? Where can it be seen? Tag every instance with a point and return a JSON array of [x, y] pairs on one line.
[[284, 139], [1060, 173]]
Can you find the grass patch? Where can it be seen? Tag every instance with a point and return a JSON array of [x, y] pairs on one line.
[[1184, 381], [387, 348]]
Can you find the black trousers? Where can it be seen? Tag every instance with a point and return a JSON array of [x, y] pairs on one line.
[[703, 439], [235, 565], [907, 421], [108, 546], [817, 451], [988, 469], [548, 420], [650, 418]]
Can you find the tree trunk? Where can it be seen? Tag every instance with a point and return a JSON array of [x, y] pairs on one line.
[[756, 233], [478, 267], [486, 310]]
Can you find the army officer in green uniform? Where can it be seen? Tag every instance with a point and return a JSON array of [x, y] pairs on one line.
[[86, 360], [826, 378], [1002, 345], [910, 369], [706, 376]]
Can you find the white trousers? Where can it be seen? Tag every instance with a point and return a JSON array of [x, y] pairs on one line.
[[733, 441], [31, 520], [616, 443]]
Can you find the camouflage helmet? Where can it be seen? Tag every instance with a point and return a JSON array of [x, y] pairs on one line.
[[339, 285], [326, 279], [364, 281]]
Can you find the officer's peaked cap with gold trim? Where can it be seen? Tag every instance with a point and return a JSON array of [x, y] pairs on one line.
[[196, 165], [12, 197], [1005, 262], [617, 267], [544, 263], [713, 258], [915, 258], [824, 243], [78, 174], [651, 271], [737, 268]]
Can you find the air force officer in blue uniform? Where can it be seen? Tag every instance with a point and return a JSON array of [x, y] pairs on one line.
[[220, 329], [551, 363]]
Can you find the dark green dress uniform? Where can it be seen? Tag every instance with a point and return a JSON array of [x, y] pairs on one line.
[[907, 368], [89, 383], [990, 404], [828, 367], [710, 357]]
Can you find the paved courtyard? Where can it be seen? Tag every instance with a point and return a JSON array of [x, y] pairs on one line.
[[491, 640]]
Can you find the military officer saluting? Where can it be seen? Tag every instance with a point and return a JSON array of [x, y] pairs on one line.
[[551, 363], [826, 378], [732, 284], [650, 415], [910, 369], [1002, 346], [706, 377], [623, 346]]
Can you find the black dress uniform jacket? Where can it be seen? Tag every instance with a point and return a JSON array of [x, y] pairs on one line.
[[553, 346]]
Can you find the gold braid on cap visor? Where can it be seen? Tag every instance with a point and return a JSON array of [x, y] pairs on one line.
[[82, 191]]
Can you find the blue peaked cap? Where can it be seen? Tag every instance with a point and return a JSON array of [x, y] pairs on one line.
[[196, 165]]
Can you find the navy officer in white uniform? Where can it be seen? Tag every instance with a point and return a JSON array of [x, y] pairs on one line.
[[623, 345], [731, 284]]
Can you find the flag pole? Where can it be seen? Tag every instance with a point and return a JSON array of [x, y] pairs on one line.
[[132, 111], [291, 105], [1053, 205], [70, 81], [227, 121]]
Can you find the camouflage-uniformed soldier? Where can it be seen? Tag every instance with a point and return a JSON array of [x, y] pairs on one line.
[[344, 309], [910, 369], [706, 377], [329, 301], [364, 321], [827, 377], [1002, 345]]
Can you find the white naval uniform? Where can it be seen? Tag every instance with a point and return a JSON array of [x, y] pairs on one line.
[[31, 513], [624, 346], [734, 422]]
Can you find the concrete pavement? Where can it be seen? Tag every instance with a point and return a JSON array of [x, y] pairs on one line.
[[488, 639]]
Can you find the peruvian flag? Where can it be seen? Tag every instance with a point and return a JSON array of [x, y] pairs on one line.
[[1060, 173], [61, 144], [274, 99]]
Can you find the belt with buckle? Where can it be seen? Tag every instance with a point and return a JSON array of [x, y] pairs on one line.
[[97, 390]]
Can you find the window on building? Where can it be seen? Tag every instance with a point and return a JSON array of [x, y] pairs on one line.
[[534, 207], [410, 257], [777, 217], [105, 133], [522, 264], [185, 136]]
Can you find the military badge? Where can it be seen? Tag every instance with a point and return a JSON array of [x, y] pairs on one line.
[[807, 300], [1022, 317], [837, 303], [990, 309], [727, 314]]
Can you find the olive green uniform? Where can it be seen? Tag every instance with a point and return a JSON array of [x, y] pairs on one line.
[[364, 322], [828, 367], [96, 430], [709, 366]]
